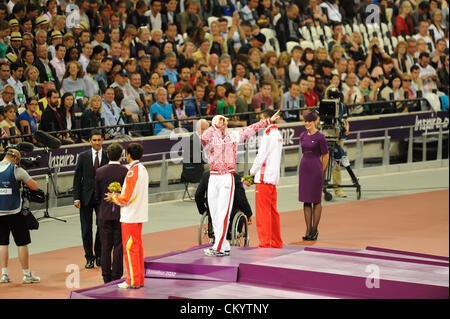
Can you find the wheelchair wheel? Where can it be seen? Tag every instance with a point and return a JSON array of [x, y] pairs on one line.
[[205, 232], [239, 230]]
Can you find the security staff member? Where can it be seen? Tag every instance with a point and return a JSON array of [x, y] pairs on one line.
[[11, 217]]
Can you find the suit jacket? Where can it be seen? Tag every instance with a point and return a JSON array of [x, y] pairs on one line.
[[43, 74], [103, 178], [84, 178]]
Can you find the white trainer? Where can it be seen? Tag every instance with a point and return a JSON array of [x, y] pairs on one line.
[[29, 279], [5, 279]]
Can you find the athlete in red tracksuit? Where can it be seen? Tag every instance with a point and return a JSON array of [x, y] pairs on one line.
[[266, 172], [134, 211], [221, 149]]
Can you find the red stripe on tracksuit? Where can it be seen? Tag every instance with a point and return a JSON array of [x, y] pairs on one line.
[[227, 217]]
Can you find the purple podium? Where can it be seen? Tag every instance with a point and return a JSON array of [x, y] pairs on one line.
[[294, 272]]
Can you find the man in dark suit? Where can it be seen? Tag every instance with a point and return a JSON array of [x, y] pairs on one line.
[[83, 195], [109, 218]]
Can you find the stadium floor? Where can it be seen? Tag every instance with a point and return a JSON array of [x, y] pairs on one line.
[[403, 210]]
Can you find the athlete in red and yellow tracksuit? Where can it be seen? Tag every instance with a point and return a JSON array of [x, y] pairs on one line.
[[266, 172], [134, 211]]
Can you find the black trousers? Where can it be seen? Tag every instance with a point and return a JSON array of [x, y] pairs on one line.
[[86, 219], [111, 238]]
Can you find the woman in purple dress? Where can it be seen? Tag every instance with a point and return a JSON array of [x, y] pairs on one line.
[[312, 166]]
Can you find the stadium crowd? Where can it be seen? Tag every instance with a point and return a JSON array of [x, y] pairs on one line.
[[71, 64]]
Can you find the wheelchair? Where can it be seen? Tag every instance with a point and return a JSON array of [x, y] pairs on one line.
[[237, 233]]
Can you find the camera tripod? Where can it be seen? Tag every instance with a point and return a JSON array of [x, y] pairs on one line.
[[47, 194], [333, 148]]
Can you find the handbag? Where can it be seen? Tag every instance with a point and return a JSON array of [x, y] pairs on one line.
[[30, 221]]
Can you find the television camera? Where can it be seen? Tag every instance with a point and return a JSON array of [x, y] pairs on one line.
[[332, 113]]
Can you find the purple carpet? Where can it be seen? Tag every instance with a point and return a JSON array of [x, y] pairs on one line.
[[294, 272]]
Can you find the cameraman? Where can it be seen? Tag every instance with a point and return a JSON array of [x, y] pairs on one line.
[[11, 217], [340, 155]]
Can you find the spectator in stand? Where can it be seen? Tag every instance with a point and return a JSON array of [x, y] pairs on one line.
[[58, 61], [443, 77], [401, 64], [296, 64], [427, 74], [137, 17], [406, 91], [190, 19], [403, 22], [185, 76], [240, 77], [7, 95], [170, 71], [91, 117], [332, 10], [47, 72], [155, 82], [9, 122], [222, 76], [14, 80], [339, 37], [244, 101], [27, 121], [201, 76], [438, 56], [422, 13], [112, 115], [425, 35], [162, 111], [263, 99], [287, 27], [51, 119], [354, 49], [73, 81], [32, 88], [416, 84], [189, 102], [292, 100], [248, 12], [66, 110], [311, 97], [436, 28], [411, 54], [350, 90], [375, 55]]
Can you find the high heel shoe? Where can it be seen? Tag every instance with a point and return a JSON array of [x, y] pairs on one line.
[[313, 235], [306, 237]]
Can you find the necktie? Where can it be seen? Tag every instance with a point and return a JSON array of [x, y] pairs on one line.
[[96, 162]]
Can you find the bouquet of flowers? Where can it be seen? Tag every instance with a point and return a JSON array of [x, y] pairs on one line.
[[115, 187], [247, 180]]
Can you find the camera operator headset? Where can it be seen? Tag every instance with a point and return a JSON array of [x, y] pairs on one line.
[[340, 155], [11, 217]]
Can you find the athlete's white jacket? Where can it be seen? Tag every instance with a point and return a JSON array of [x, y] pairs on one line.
[[266, 167], [134, 197]]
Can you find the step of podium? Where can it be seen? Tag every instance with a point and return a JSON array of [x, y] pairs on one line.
[[293, 272]]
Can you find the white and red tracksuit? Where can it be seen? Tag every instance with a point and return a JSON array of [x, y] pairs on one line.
[[266, 172], [221, 149], [134, 211]]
